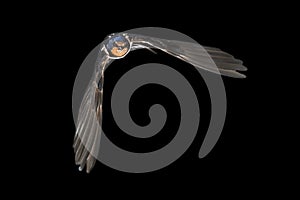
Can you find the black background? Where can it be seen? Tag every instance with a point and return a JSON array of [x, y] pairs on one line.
[[244, 154]]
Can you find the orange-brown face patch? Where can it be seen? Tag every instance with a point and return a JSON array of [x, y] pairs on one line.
[[116, 52]]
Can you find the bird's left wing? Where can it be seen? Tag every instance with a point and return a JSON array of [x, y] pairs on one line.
[[207, 58]]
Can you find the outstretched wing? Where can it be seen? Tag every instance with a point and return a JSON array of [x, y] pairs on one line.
[[207, 58], [89, 121]]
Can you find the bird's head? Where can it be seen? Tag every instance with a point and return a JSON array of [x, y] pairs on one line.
[[118, 46]]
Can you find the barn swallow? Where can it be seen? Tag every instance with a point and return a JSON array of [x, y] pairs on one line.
[[117, 46]]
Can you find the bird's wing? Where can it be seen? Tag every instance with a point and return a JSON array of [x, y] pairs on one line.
[[207, 58], [88, 127]]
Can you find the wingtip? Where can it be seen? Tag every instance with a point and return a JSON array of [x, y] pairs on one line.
[[90, 163], [239, 75]]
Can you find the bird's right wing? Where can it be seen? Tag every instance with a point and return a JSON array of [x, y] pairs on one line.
[[88, 128]]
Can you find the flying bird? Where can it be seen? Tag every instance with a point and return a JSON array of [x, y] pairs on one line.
[[117, 46]]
